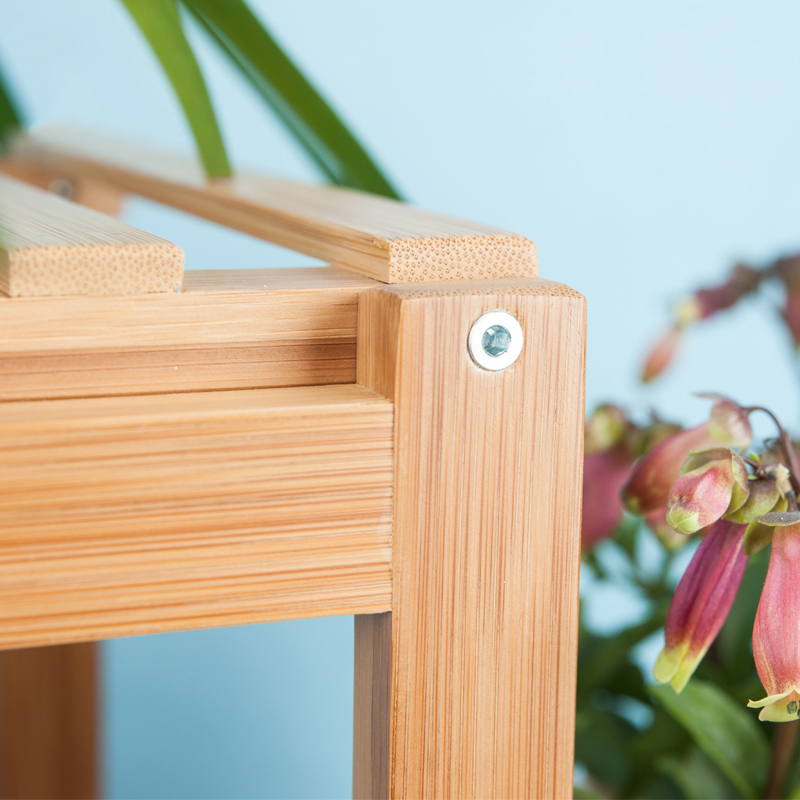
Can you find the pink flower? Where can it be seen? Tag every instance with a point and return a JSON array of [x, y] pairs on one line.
[[776, 635], [713, 482], [701, 603], [604, 474], [662, 354], [789, 271], [655, 473]]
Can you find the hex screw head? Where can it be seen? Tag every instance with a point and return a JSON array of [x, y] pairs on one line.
[[495, 340]]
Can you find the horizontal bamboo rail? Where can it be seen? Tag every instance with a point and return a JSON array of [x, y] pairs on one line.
[[382, 238], [232, 329], [137, 515]]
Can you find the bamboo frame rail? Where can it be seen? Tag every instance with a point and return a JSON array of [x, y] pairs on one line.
[[285, 443], [232, 329], [382, 238]]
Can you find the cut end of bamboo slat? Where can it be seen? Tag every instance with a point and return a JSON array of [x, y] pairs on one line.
[[49, 246], [461, 258]]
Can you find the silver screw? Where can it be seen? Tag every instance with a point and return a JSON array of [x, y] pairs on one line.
[[495, 340], [63, 187]]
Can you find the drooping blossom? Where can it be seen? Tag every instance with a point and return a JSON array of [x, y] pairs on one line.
[[703, 303], [655, 473], [701, 602], [606, 465], [742, 280], [662, 354], [788, 270], [712, 482], [776, 635], [604, 473]]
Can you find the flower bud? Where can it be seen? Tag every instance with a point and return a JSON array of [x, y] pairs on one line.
[[603, 476], [764, 496], [604, 428], [653, 476], [701, 603], [789, 271], [776, 634], [662, 354], [714, 481], [728, 422]]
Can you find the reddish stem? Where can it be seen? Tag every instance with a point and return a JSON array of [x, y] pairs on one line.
[[786, 444], [782, 750]]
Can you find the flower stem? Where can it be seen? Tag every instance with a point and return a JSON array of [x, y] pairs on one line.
[[782, 750], [786, 444]]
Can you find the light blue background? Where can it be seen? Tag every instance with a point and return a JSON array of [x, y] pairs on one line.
[[643, 146]]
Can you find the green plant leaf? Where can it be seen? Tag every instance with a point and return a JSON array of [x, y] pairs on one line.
[[585, 793], [601, 656], [160, 22], [316, 127], [10, 117], [697, 776], [726, 732]]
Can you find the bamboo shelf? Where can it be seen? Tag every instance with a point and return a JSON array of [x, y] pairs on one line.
[[185, 450]]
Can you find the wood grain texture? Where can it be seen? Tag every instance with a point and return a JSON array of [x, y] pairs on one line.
[[49, 246], [382, 238], [486, 540], [227, 329], [84, 191], [49, 722], [169, 512], [372, 671]]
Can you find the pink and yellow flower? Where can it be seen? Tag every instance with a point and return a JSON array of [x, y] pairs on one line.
[[701, 603], [776, 635], [604, 474], [712, 482], [653, 476]]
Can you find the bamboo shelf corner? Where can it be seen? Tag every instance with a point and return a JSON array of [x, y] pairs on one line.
[[277, 444]]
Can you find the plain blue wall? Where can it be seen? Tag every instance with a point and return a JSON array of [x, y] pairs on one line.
[[643, 146]]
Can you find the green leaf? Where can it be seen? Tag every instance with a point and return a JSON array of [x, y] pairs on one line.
[[160, 22], [10, 117], [697, 777], [603, 745], [600, 656], [586, 793], [316, 127], [725, 731]]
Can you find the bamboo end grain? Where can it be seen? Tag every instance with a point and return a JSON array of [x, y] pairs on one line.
[[52, 247]]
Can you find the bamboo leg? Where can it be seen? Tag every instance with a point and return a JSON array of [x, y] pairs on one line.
[[48, 710], [481, 666]]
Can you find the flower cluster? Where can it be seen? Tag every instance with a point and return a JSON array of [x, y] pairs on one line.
[[707, 302], [700, 480]]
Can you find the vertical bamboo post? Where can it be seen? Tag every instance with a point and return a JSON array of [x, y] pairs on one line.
[[48, 722], [467, 688]]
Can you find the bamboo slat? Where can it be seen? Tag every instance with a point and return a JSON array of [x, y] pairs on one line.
[[382, 238], [49, 246], [227, 329], [168, 512], [482, 660]]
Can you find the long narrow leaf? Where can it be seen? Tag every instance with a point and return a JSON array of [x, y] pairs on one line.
[[316, 127], [10, 117], [160, 22], [726, 732]]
